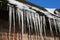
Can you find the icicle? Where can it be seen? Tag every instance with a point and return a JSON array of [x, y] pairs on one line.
[[50, 27], [58, 23], [44, 27], [28, 25], [14, 23], [31, 18], [10, 21], [22, 25], [40, 27], [14, 19], [55, 26], [18, 13], [37, 25]]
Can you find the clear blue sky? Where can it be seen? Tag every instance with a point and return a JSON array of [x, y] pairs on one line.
[[46, 3]]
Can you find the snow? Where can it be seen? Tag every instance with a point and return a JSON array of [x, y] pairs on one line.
[[25, 6], [51, 10], [18, 4]]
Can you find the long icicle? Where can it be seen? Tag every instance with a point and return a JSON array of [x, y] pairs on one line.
[[44, 25], [10, 21], [50, 27], [19, 14], [14, 23], [31, 24], [35, 25], [28, 25], [55, 26], [40, 27], [58, 25], [37, 22], [22, 26]]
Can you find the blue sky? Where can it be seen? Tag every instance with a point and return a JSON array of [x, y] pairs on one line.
[[46, 3]]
